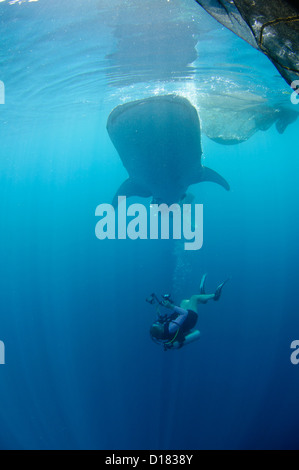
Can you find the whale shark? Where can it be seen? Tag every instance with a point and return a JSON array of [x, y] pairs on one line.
[[159, 142]]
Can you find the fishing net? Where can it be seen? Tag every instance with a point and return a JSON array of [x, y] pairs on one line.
[[272, 26]]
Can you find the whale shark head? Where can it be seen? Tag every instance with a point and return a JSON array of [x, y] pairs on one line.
[[159, 142]]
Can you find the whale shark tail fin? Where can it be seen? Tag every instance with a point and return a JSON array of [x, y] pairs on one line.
[[130, 188], [207, 174]]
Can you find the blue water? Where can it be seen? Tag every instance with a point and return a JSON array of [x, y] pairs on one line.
[[81, 371]]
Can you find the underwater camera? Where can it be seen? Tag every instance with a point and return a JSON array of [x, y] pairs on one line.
[[152, 299], [167, 297]]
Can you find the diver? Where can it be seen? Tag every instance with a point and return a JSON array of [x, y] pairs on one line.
[[175, 329]]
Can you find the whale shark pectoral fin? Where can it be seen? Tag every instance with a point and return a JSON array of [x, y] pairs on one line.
[[187, 198], [130, 188], [210, 175], [285, 118]]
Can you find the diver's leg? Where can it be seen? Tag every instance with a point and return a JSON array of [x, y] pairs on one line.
[[219, 290], [185, 304], [202, 298], [199, 299], [202, 286], [191, 304]]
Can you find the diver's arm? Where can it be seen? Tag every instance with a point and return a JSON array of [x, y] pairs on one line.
[[175, 309], [179, 321], [168, 304], [181, 312], [181, 315]]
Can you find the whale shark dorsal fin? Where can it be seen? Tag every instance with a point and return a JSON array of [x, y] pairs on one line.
[[130, 188], [206, 174]]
